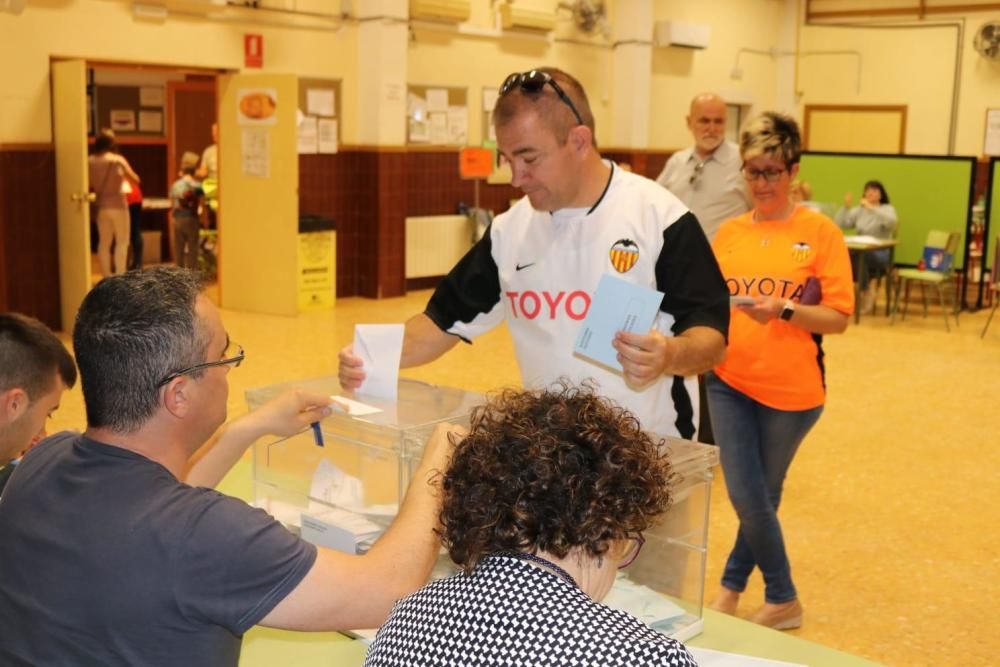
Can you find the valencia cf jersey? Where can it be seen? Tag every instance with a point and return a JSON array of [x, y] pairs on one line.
[[538, 271]]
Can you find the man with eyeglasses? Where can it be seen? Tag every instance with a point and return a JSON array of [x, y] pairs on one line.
[[538, 264], [108, 558], [706, 177]]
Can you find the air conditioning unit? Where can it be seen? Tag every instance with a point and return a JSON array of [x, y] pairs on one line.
[[681, 33], [452, 11], [517, 18]]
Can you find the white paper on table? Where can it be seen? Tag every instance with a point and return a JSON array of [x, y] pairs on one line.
[[379, 346], [334, 486], [354, 408], [642, 602], [320, 102], [706, 657], [862, 239]]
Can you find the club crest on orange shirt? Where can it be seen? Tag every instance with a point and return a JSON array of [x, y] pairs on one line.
[[624, 254], [801, 251]]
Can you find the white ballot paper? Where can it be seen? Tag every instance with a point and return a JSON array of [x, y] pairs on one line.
[[379, 346], [643, 602], [353, 408], [334, 486], [708, 658]]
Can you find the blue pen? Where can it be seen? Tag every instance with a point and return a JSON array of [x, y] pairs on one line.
[[317, 434]]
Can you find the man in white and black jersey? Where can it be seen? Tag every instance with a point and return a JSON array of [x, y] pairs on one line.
[[539, 263]]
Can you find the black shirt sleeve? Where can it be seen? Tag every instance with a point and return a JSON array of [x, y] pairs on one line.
[[472, 287], [689, 276]]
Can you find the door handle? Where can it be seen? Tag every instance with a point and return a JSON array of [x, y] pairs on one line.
[[83, 197]]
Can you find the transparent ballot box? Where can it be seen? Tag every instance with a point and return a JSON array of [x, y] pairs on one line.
[[664, 587], [355, 481], [345, 493]]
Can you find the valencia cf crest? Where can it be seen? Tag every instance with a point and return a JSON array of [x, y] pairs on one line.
[[801, 251], [624, 254]]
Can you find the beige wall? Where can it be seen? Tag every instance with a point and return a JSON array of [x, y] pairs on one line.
[[106, 30], [899, 66]]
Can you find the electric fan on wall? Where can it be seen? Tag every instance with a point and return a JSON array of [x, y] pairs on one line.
[[987, 40]]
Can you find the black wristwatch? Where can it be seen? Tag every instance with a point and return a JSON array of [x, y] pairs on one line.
[[787, 311]]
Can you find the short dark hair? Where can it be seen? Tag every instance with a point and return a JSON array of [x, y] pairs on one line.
[[772, 134], [105, 142], [881, 188], [546, 103], [30, 355], [132, 330], [552, 469]]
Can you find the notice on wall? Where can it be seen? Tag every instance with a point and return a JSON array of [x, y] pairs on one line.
[[327, 135], [321, 102], [490, 96], [255, 152], [151, 96], [437, 99], [438, 127], [458, 125], [257, 106], [123, 120], [307, 135], [991, 146], [151, 121]]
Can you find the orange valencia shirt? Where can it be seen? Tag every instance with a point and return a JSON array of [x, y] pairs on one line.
[[779, 364]]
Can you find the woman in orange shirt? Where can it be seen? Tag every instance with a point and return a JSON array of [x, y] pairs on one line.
[[789, 269]]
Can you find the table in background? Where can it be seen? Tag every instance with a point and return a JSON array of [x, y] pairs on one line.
[[858, 249], [266, 647]]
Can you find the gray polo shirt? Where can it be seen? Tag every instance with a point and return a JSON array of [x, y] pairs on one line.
[[715, 191]]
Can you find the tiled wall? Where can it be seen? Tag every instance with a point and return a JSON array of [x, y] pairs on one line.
[[29, 250]]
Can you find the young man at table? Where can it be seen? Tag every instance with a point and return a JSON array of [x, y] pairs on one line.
[[139, 568]]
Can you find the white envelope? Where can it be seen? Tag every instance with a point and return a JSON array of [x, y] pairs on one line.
[[379, 346]]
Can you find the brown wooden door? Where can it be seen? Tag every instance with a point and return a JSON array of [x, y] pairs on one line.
[[191, 110]]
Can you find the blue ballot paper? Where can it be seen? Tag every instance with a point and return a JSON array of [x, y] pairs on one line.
[[617, 305]]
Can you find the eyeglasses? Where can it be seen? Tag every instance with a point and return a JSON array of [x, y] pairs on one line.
[[532, 83], [235, 360], [770, 175], [696, 174], [632, 548]]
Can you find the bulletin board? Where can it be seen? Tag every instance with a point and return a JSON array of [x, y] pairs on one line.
[[319, 116], [130, 110], [437, 116], [928, 192]]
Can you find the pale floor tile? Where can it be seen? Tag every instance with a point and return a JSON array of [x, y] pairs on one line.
[[889, 509]]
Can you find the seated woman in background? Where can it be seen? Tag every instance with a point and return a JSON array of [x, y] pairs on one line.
[[874, 216], [543, 502]]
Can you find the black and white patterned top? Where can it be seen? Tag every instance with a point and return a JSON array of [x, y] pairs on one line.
[[509, 612]]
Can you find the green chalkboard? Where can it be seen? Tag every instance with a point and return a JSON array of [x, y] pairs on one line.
[[928, 192]]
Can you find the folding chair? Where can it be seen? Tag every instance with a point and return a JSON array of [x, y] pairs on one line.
[[939, 253]]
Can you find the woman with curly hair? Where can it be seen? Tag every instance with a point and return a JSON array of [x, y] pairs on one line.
[[543, 502]]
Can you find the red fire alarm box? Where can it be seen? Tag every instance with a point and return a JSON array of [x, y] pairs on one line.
[[253, 50]]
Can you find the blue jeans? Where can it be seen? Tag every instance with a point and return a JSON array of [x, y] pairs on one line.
[[757, 444]]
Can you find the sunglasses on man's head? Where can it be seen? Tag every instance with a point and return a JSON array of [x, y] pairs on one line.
[[532, 83]]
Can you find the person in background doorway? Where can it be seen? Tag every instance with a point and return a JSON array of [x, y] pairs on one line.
[[35, 370], [133, 196], [108, 171], [873, 216], [770, 390], [208, 174], [706, 177], [187, 197]]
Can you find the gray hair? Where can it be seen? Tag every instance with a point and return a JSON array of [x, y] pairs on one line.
[[133, 330]]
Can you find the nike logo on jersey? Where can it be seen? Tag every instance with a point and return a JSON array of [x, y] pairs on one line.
[[518, 267]]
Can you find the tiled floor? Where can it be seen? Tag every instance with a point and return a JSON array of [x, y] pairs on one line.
[[890, 509]]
